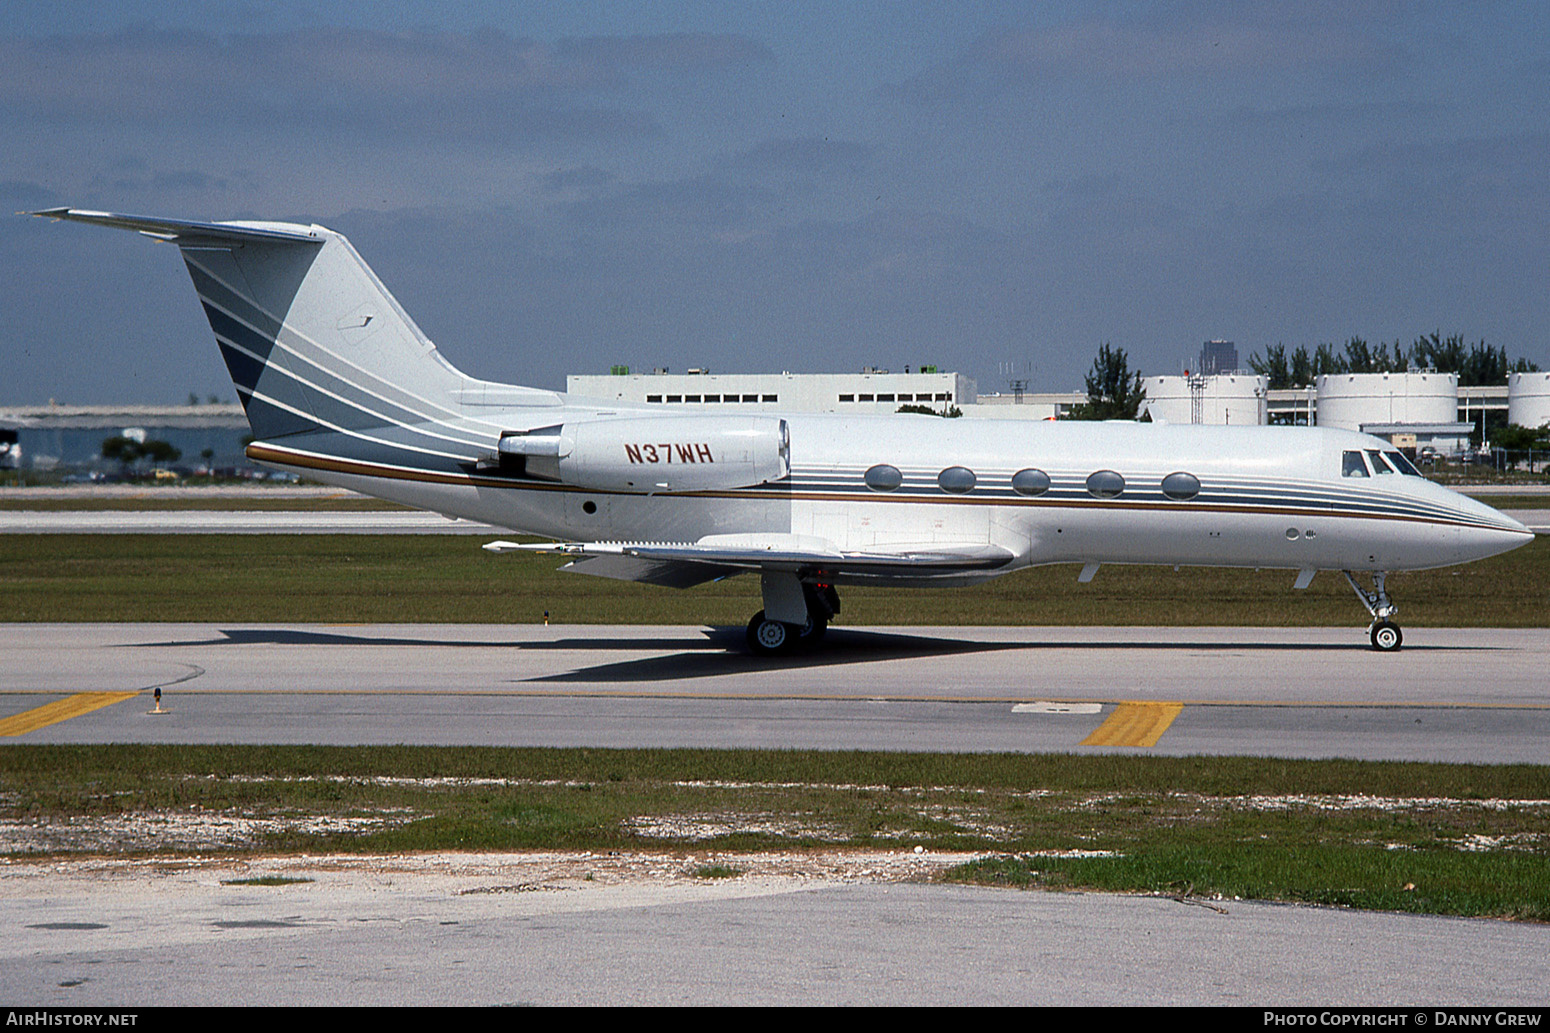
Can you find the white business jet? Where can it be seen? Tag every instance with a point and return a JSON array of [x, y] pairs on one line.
[[341, 386]]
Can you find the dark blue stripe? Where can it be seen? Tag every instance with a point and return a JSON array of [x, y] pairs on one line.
[[270, 422], [244, 369], [211, 289]]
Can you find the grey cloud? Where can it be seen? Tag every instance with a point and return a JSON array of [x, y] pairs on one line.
[[700, 200], [817, 156], [21, 195], [1114, 49], [354, 80], [1085, 187], [610, 57], [586, 178], [1517, 158]]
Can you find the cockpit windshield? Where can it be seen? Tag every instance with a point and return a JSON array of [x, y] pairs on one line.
[[1378, 465], [1398, 461], [1352, 465]]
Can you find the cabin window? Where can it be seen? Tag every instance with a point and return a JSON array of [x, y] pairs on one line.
[[750, 398], [956, 480], [675, 398], [847, 398], [1378, 465], [1399, 462], [864, 398], [885, 398], [1105, 484], [1181, 487], [883, 477], [1352, 465], [772, 398], [653, 398], [1030, 482]]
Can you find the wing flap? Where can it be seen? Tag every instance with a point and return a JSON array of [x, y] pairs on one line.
[[721, 555]]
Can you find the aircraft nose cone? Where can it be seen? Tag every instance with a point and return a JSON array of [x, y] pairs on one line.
[[1489, 532]]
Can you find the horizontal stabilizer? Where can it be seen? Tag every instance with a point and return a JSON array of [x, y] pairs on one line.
[[181, 231]]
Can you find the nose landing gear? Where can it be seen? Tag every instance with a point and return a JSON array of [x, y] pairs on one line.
[[1384, 633]]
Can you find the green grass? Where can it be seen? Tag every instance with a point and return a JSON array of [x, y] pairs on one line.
[[1399, 839], [449, 579], [1515, 501]]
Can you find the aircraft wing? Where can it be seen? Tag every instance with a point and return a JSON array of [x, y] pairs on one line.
[[681, 565]]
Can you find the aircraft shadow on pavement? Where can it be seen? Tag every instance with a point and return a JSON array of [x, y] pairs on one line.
[[720, 651], [725, 653], [304, 637]]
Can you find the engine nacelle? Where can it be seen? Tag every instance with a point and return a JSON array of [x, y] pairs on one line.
[[655, 453]]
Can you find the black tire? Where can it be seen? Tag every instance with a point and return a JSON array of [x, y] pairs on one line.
[[770, 638], [1386, 636]]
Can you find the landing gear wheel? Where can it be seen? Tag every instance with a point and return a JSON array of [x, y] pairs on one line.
[[1386, 636], [812, 631], [770, 638]]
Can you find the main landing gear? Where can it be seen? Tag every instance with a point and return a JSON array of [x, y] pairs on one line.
[[767, 637], [1384, 633]]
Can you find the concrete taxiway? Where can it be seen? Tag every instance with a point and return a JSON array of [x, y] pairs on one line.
[[535, 929], [493, 929], [1449, 695]]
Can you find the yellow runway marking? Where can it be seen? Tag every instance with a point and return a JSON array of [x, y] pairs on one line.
[[1135, 724], [60, 710]]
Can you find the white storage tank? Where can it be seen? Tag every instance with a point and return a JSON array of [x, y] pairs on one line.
[[1237, 399], [1528, 399], [1348, 400]]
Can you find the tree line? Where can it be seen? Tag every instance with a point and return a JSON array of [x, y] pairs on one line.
[[1476, 364]]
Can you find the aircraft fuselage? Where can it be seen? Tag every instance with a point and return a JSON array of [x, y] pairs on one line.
[[1249, 497]]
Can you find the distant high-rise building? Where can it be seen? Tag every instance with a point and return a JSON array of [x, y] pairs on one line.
[[1218, 357]]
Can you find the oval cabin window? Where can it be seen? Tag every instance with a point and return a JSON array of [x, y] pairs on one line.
[[883, 477], [1181, 487], [956, 480], [1105, 484], [1030, 482]]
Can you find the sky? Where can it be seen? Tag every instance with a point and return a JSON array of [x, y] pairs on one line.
[[994, 188]]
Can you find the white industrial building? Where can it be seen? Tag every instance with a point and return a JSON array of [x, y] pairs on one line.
[[1528, 399], [1422, 408], [870, 391], [1238, 399], [1026, 405]]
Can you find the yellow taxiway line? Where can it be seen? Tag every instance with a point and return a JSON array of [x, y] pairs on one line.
[[60, 710], [1135, 724]]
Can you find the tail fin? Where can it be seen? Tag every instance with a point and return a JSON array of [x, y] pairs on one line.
[[311, 337]]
